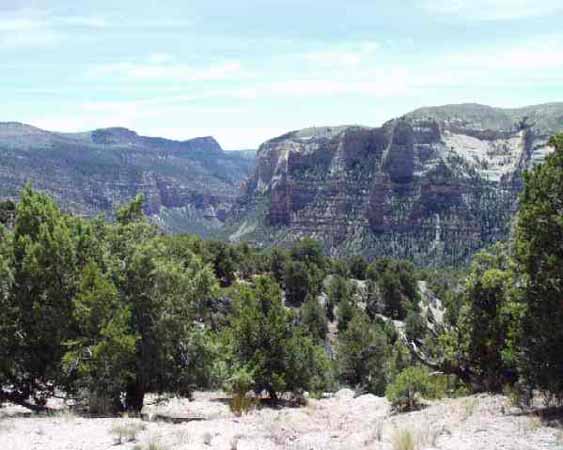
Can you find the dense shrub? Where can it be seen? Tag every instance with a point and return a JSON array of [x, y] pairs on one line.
[[313, 318], [298, 283], [539, 254], [265, 342], [362, 349], [339, 291], [397, 286], [412, 384], [358, 267]]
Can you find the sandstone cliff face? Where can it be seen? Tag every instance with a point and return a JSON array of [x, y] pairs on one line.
[[435, 185], [189, 186]]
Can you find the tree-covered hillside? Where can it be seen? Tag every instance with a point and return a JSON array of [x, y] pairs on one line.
[[189, 186], [107, 312]]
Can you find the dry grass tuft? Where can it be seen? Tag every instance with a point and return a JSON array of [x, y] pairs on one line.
[[403, 439], [153, 444], [424, 436], [126, 431], [242, 404]]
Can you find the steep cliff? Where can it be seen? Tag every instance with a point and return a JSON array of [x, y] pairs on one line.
[[189, 185], [434, 186]]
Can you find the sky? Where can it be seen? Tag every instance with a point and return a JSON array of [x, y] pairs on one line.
[[248, 70]]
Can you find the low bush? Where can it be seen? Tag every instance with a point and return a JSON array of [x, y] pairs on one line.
[[412, 384], [239, 385]]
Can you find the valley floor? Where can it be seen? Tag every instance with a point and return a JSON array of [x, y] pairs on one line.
[[338, 423]]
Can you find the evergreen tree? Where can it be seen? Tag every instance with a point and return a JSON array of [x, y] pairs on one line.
[[345, 312], [308, 251], [313, 319], [396, 282], [8, 319], [486, 319], [339, 290], [539, 253], [358, 267], [362, 350], [298, 283], [136, 318], [224, 262], [7, 212], [415, 327], [278, 262], [266, 343], [44, 274], [102, 354]]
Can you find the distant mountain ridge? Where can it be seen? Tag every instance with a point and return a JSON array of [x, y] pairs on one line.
[[546, 117], [433, 186], [190, 185]]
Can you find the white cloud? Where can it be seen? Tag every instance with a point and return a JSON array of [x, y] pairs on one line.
[[378, 83], [543, 54], [38, 29], [343, 56], [160, 69], [30, 39], [80, 21], [160, 58], [25, 20], [15, 24], [493, 9]]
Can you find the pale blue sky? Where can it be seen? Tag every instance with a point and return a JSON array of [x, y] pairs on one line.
[[248, 70]]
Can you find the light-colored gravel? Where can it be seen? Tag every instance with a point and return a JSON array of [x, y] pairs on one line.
[[338, 423]]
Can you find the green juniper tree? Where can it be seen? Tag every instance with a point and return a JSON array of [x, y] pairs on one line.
[[298, 283], [313, 318], [397, 286], [44, 278], [481, 345], [339, 292], [136, 318], [358, 267], [266, 343], [278, 261], [7, 318], [539, 254], [362, 351]]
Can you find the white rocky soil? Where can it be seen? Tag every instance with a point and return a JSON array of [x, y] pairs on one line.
[[341, 422]]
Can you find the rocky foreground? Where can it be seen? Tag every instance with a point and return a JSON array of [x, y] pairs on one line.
[[342, 422]]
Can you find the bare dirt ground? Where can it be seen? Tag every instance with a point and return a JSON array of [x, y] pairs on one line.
[[338, 423]]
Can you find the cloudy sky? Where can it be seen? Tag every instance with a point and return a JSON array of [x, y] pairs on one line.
[[248, 70]]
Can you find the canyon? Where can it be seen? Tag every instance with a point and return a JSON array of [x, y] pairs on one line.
[[434, 186]]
